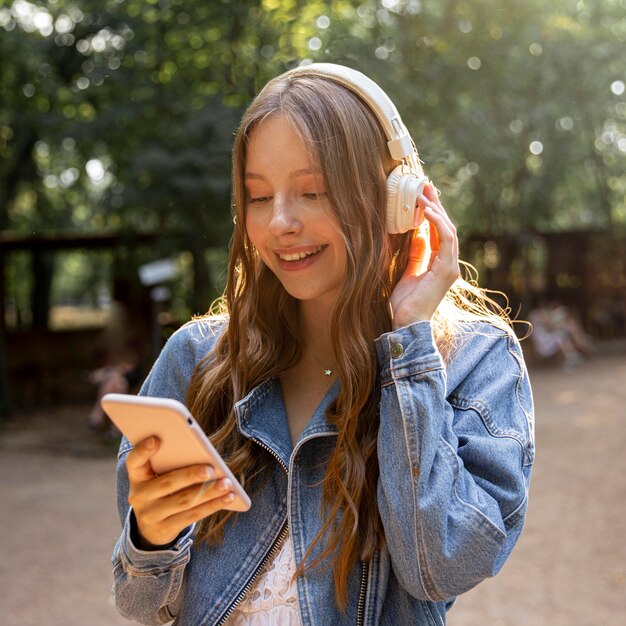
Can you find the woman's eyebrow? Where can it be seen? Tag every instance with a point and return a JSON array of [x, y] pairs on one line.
[[308, 171]]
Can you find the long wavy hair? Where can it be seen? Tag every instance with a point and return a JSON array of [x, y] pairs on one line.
[[260, 341]]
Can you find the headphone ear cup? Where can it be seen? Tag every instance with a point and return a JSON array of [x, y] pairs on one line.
[[403, 188]]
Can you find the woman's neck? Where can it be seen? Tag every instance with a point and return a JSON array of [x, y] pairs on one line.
[[314, 322]]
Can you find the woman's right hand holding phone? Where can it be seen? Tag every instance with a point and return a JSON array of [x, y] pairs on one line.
[[167, 504]]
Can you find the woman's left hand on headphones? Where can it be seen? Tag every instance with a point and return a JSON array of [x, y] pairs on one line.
[[421, 289]]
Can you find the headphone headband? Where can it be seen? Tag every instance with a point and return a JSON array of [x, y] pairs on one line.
[[398, 139]]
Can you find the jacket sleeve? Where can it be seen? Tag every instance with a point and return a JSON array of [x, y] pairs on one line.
[[147, 584], [455, 448]]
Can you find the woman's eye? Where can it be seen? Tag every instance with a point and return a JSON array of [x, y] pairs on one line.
[[258, 199], [321, 195]]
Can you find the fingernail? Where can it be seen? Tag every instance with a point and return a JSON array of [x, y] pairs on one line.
[[225, 484], [151, 443], [229, 497], [206, 472]]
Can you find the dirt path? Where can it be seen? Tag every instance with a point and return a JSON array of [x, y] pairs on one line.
[[59, 521], [569, 567]]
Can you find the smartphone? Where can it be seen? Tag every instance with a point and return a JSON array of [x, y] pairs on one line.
[[183, 442]]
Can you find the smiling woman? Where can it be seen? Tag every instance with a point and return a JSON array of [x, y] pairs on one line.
[[375, 409]]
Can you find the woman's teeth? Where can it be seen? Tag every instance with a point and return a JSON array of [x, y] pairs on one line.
[[296, 256]]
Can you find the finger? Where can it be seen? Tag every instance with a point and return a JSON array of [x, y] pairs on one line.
[[138, 460], [190, 516], [160, 525], [441, 234], [428, 196], [159, 513], [435, 242], [151, 511], [176, 480], [438, 210], [193, 497], [430, 208], [446, 247], [432, 199], [431, 193]]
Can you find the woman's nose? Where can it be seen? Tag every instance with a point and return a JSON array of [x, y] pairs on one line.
[[284, 218]]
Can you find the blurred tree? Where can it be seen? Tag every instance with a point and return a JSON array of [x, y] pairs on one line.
[[510, 102], [120, 113]]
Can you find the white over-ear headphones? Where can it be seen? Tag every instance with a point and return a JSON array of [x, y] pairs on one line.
[[406, 181]]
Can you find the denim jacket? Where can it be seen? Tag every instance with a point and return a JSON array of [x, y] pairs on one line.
[[455, 448]]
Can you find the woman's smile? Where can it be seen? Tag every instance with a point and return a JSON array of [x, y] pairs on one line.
[[298, 258]]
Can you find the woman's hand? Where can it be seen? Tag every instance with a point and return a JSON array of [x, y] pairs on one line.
[[417, 295], [165, 505]]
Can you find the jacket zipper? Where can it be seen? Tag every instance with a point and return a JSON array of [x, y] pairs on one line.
[[360, 608], [360, 611], [272, 552]]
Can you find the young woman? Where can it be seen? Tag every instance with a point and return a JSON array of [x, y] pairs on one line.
[[373, 406]]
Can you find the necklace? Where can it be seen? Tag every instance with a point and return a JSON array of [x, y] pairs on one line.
[[327, 370]]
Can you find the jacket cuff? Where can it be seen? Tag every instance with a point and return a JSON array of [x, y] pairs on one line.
[[139, 559], [407, 351]]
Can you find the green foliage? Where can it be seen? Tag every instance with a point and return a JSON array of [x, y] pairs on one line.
[[120, 113]]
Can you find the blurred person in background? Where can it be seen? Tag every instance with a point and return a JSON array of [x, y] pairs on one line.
[[121, 346], [557, 333]]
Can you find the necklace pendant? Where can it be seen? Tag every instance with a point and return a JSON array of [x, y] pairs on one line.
[[328, 372]]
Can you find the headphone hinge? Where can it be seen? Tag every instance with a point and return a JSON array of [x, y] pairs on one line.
[[400, 147]]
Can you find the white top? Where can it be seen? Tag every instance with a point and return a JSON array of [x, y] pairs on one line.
[[273, 599]]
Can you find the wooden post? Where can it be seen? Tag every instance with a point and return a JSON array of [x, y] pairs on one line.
[[6, 402]]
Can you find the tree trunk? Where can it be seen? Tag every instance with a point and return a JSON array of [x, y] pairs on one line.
[[201, 280], [6, 402]]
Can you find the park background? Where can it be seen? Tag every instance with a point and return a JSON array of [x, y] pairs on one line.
[[116, 125]]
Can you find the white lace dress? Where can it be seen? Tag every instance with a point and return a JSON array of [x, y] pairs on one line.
[[273, 599]]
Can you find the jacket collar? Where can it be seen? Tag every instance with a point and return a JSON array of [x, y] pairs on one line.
[[261, 415]]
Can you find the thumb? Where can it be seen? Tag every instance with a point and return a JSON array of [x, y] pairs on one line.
[[434, 239], [417, 251], [138, 460]]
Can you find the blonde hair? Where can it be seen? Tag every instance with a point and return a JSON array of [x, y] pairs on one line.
[[261, 339]]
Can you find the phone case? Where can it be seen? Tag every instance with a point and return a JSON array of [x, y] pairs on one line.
[[183, 442]]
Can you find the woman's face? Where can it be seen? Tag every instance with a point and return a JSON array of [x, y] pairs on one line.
[[288, 218]]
